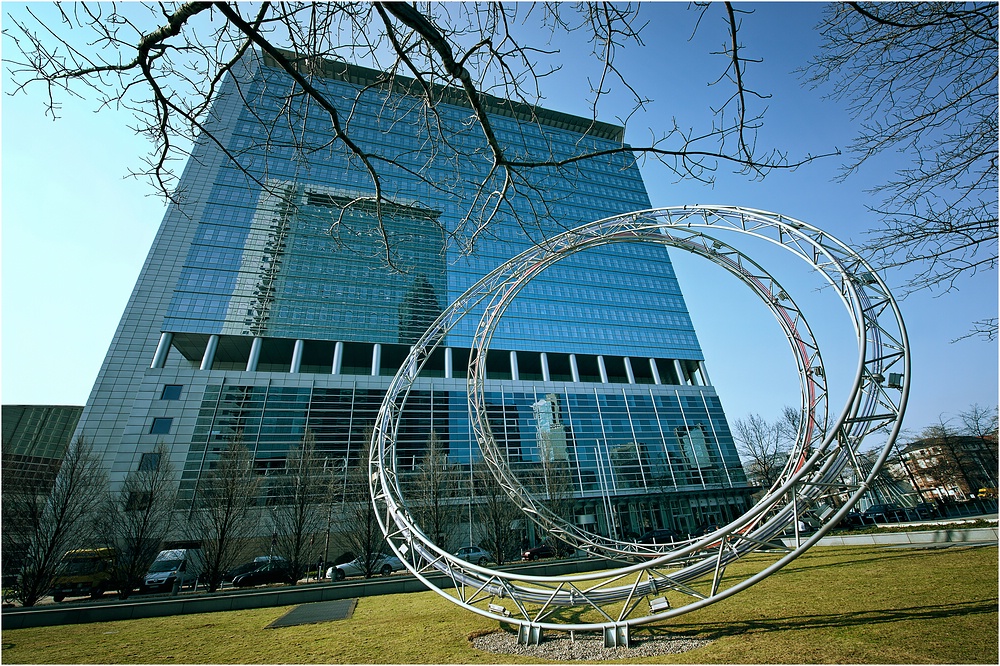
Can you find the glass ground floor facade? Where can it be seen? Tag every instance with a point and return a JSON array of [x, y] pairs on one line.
[[623, 457]]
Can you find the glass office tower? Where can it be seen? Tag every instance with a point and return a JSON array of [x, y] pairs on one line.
[[268, 307]]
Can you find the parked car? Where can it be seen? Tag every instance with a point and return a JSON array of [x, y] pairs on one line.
[[239, 569], [84, 572], [173, 569], [384, 565], [659, 537], [475, 554], [272, 572], [261, 560], [547, 549]]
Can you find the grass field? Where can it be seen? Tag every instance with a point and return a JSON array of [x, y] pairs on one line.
[[832, 605]]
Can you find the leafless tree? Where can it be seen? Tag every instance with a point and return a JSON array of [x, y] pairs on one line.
[[981, 422], [166, 63], [361, 532], [299, 498], [432, 492], [136, 519], [921, 78], [225, 517], [763, 448], [788, 424], [495, 513], [41, 526], [953, 466]]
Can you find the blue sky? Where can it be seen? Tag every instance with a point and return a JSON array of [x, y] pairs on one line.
[[76, 230]]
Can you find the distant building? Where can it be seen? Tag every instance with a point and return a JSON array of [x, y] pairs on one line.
[[35, 439], [954, 467]]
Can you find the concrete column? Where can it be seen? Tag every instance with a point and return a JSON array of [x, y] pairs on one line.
[[628, 370], [545, 367], [603, 370], [449, 368], [704, 374], [656, 371], [254, 354], [680, 372], [162, 347], [338, 358], [297, 357], [209, 357], [574, 371], [376, 359], [514, 374]]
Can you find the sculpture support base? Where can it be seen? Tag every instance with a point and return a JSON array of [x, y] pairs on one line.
[[529, 634], [616, 636]]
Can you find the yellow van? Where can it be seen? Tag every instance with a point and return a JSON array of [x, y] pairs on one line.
[[84, 572]]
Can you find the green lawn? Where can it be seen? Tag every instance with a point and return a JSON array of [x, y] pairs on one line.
[[832, 605]]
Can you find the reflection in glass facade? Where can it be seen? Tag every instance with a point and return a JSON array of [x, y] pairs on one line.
[[627, 441], [267, 303]]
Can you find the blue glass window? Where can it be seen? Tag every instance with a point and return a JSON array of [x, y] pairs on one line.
[[161, 425], [171, 392]]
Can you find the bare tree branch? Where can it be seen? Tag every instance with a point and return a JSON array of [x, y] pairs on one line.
[[165, 65], [921, 79], [762, 446]]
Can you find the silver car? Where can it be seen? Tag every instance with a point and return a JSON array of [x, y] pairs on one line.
[[384, 564], [474, 554]]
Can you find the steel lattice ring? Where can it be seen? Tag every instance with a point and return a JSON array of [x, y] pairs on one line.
[[696, 571], [804, 347]]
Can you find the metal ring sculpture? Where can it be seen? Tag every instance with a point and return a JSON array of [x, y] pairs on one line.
[[700, 571]]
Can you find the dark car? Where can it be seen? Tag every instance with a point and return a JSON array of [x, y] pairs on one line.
[[275, 572], [659, 537], [246, 567], [547, 550]]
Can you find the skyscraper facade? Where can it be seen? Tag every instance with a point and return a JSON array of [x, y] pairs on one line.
[[279, 297]]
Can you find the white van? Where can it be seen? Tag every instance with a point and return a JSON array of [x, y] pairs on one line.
[[174, 569]]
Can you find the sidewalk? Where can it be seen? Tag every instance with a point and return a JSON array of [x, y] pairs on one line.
[[935, 535]]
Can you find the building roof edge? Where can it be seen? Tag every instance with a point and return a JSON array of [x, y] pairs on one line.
[[364, 76]]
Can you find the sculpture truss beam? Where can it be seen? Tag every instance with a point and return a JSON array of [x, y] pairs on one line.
[[654, 583]]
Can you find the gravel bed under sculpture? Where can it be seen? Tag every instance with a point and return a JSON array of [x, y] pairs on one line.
[[589, 647]]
